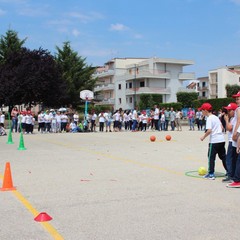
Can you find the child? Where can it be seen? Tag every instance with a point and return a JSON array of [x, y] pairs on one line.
[[2, 130], [231, 157], [217, 140]]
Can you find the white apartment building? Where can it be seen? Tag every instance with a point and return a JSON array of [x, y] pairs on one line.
[[220, 77], [121, 81], [203, 87]]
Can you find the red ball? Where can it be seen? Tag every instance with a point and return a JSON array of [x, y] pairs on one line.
[[152, 138], [168, 137]]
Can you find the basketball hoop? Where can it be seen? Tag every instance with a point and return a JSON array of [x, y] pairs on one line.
[[86, 95]]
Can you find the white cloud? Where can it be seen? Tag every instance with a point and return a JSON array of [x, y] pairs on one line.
[[235, 1], [138, 36], [85, 18], [2, 12], [75, 32], [33, 11], [118, 27], [97, 52]]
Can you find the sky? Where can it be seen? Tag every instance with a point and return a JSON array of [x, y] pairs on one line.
[[205, 31]]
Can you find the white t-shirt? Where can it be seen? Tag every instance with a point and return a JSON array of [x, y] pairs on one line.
[[215, 125], [76, 117], [101, 118], [234, 143], [230, 133], [106, 116], [134, 115], [2, 118], [29, 119], [156, 114]]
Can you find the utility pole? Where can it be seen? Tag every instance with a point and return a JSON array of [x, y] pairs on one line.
[[135, 86]]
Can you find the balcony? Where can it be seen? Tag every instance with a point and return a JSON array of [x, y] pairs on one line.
[[105, 101], [104, 87], [189, 90], [144, 74], [202, 88], [213, 82], [186, 76], [148, 90], [104, 73]]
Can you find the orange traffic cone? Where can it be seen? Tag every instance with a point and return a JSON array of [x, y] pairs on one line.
[[7, 179]]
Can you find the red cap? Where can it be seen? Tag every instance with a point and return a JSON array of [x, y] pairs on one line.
[[206, 106], [231, 106], [236, 95]]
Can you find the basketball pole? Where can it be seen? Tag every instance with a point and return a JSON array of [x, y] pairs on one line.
[[85, 118]]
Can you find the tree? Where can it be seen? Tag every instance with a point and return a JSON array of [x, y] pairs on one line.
[[187, 98], [149, 100], [10, 43], [76, 73], [232, 89], [31, 77]]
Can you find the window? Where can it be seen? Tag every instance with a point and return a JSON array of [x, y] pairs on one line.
[[130, 85], [126, 100], [130, 99], [142, 84], [203, 84], [120, 100], [126, 85], [204, 94], [119, 86]]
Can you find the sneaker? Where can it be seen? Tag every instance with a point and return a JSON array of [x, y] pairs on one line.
[[209, 176], [234, 185], [227, 179]]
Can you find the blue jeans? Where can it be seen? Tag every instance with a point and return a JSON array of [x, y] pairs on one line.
[[14, 124], [231, 159], [191, 123], [134, 125]]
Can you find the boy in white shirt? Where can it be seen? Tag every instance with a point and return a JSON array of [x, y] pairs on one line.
[[2, 118], [214, 128]]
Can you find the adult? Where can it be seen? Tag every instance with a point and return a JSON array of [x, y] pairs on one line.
[[179, 120], [172, 118], [190, 116], [107, 115], [14, 116], [167, 118], [134, 119], [156, 117]]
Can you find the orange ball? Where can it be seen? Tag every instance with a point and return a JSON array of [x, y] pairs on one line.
[[152, 138], [168, 137]]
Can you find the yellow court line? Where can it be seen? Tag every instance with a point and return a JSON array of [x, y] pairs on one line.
[[117, 158], [50, 229]]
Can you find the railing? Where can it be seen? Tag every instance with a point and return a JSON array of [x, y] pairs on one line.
[[182, 89], [144, 74], [106, 101], [104, 87], [104, 73], [148, 90], [186, 76]]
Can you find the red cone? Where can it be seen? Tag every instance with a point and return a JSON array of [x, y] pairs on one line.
[[42, 217]]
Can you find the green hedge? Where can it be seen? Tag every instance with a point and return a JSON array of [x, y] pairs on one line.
[[217, 103]]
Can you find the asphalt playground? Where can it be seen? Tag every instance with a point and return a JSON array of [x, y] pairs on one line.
[[114, 186]]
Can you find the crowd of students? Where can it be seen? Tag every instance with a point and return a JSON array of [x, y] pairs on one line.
[[129, 120]]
